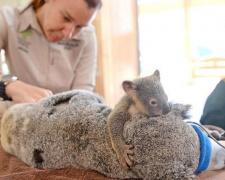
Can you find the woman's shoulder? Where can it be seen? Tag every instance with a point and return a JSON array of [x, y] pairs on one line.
[[86, 33], [10, 14], [89, 29], [19, 17]]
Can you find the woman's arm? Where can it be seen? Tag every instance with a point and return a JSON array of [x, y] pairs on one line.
[[21, 92], [3, 36], [3, 30], [86, 70]]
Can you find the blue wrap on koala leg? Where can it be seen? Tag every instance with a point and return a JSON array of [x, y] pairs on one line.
[[205, 150]]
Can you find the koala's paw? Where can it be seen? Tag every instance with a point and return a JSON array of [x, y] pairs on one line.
[[123, 158]]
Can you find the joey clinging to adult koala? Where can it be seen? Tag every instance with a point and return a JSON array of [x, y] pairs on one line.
[[143, 96]]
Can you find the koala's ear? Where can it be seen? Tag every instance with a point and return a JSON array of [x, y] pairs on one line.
[[128, 86], [157, 74]]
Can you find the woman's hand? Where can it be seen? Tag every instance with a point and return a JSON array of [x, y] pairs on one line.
[[21, 92]]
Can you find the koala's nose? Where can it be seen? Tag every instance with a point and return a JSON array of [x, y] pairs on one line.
[[166, 108]]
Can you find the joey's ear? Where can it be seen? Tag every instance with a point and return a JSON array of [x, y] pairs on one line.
[[156, 73], [128, 86]]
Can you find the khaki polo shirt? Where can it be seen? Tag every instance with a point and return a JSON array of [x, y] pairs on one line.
[[58, 66]]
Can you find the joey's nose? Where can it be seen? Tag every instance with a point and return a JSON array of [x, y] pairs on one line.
[[166, 108]]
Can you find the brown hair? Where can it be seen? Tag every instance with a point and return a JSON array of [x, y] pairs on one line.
[[37, 3], [91, 3]]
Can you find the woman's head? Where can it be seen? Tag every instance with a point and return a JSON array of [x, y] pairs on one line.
[[62, 19], [91, 3]]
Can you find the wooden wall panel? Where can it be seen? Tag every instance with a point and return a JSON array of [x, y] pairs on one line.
[[116, 27]]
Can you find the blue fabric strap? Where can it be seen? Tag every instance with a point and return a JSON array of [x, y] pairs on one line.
[[205, 150]]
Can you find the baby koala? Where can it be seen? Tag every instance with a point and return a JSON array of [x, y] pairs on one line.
[[143, 96]]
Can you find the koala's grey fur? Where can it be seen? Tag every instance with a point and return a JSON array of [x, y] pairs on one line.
[[70, 129]]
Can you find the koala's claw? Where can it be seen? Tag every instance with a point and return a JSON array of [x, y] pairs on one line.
[[123, 158]]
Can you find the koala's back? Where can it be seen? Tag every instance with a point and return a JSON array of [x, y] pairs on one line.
[[171, 148], [44, 136]]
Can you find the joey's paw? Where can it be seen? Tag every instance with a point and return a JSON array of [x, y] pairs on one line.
[[123, 158]]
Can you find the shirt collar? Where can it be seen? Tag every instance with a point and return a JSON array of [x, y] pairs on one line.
[[27, 19], [84, 33]]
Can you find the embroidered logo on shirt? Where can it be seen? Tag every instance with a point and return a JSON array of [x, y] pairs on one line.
[[69, 45], [26, 34], [22, 40]]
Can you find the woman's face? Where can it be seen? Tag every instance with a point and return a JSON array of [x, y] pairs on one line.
[[62, 19]]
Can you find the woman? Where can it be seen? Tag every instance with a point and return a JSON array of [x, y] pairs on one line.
[[214, 108], [50, 46]]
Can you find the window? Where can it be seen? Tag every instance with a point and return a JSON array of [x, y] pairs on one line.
[[185, 40], [207, 40]]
